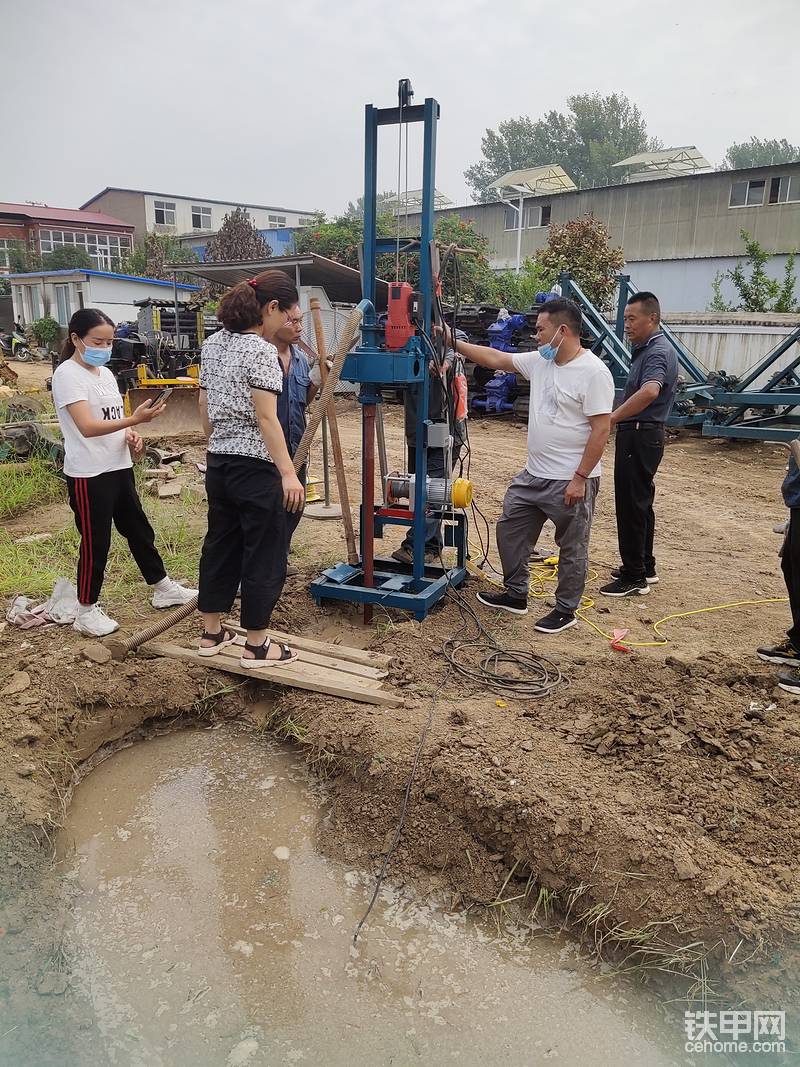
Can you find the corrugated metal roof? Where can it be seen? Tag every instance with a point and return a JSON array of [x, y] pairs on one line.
[[341, 283], [64, 214]]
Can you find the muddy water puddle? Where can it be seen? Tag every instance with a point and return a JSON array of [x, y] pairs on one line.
[[209, 930]]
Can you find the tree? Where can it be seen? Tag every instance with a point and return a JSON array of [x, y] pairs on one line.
[[150, 259], [596, 132], [582, 247], [517, 292], [68, 257], [758, 153], [237, 239], [46, 331], [758, 292], [342, 238], [356, 210]]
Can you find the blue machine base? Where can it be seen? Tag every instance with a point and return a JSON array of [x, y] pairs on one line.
[[392, 588]]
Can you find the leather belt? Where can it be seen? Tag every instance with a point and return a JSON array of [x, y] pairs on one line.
[[643, 425]]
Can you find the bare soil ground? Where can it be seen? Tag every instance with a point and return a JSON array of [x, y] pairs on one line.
[[651, 803]]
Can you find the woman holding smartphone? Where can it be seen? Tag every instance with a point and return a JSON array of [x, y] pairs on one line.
[[98, 442], [251, 483]]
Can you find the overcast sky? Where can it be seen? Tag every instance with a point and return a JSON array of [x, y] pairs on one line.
[[262, 102]]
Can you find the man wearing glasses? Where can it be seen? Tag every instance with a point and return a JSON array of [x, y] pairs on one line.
[[297, 393]]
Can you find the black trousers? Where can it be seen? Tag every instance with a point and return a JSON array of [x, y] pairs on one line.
[[638, 455], [790, 564], [247, 538], [96, 503]]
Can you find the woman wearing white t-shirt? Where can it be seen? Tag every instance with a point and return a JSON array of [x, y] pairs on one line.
[[98, 440]]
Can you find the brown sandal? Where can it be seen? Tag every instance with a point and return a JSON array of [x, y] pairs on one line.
[[261, 656], [223, 638]]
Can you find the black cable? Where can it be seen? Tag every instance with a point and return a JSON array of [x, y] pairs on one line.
[[406, 797], [537, 676]]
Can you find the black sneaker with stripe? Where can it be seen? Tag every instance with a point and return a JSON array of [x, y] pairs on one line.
[[783, 653]]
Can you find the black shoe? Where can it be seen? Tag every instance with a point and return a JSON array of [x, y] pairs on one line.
[[555, 622], [626, 587], [504, 602], [651, 578], [785, 652], [789, 682]]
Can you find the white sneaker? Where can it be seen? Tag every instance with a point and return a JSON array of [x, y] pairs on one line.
[[170, 594], [95, 623]]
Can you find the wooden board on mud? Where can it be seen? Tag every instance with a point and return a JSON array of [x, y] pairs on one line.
[[336, 670]]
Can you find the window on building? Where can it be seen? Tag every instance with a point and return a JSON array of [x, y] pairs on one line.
[[34, 303], [7, 246], [63, 311], [304, 221], [510, 218], [784, 190], [537, 215], [19, 304], [747, 194], [104, 248], [165, 212], [278, 221], [201, 217]]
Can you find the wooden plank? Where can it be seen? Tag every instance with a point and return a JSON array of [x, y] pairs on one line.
[[358, 670], [325, 648], [297, 675]]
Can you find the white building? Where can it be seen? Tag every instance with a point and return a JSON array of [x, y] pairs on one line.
[[183, 216], [60, 293]]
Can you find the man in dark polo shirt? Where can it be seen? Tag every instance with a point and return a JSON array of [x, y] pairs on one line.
[[639, 421]]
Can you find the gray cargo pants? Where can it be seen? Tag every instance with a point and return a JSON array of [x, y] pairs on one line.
[[529, 502]]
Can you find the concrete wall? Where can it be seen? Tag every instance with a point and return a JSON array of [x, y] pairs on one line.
[[686, 284], [114, 296], [735, 347], [119, 204]]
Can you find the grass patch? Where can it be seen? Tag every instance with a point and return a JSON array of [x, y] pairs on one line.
[[33, 568], [27, 485]]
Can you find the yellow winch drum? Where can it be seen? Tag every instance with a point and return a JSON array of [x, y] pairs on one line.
[[439, 493]]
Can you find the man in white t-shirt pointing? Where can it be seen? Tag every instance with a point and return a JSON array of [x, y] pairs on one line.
[[572, 394]]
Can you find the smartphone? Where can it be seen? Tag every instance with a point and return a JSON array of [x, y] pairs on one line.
[[160, 397]]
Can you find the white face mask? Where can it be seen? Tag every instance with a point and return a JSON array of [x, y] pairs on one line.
[[550, 351]]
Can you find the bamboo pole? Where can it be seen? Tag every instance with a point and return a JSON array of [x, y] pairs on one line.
[[336, 444]]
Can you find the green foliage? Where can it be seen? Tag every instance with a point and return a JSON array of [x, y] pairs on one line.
[[581, 246], [517, 292], [150, 259], [759, 153], [66, 258], [23, 486], [356, 210], [46, 331], [22, 259], [595, 132], [342, 238], [477, 280], [757, 291], [237, 239], [719, 303]]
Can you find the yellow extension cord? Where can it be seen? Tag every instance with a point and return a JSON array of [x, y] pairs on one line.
[[547, 572]]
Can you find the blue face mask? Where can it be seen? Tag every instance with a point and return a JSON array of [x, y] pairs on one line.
[[95, 357], [549, 352]]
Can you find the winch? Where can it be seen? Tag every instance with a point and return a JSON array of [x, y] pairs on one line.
[[440, 493]]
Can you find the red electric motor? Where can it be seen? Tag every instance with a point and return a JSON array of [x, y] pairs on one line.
[[402, 310]]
